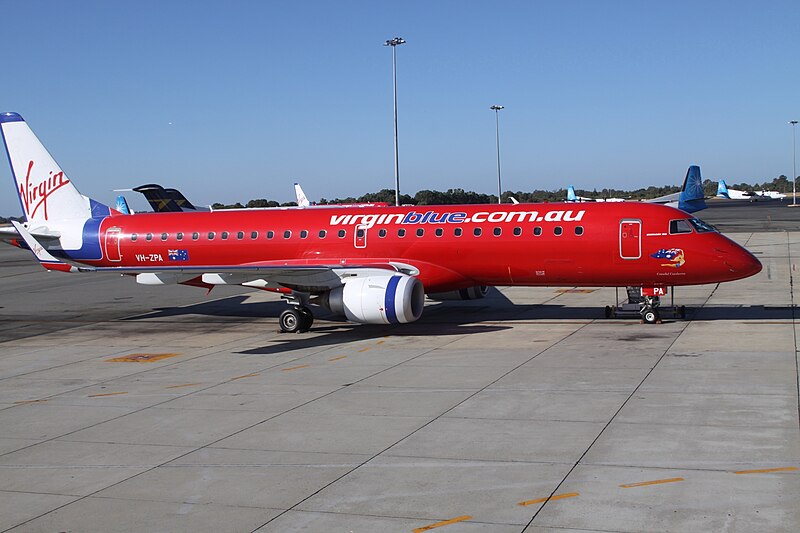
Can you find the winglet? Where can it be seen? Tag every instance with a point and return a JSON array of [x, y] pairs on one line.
[[42, 255]]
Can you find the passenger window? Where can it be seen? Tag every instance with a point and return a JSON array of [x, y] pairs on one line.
[[211, 235], [287, 234], [497, 232], [578, 230], [164, 236], [240, 235], [322, 233], [342, 233], [537, 230], [401, 232], [149, 237], [179, 235], [439, 232], [360, 233], [254, 235], [457, 232], [195, 236], [517, 231], [420, 232], [477, 232], [679, 226], [558, 230], [382, 232], [134, 237], [224, 235], [303, 234], [270, 234]]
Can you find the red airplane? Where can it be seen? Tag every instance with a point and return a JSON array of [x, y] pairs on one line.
[[372, 265]]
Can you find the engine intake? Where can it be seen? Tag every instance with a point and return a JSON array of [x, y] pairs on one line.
[[378, 299]]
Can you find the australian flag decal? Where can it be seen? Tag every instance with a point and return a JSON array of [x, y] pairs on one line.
[[178, 255], [673, 254]]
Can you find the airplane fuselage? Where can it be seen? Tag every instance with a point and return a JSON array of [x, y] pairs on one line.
[[452, 246]]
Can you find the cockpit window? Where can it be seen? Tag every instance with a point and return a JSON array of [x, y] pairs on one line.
[[701, 227], [679, 226]]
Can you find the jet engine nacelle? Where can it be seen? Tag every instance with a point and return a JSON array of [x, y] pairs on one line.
[[476, 292], [378, 299]]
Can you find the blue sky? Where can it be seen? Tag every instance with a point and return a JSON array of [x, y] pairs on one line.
[[236, 100]]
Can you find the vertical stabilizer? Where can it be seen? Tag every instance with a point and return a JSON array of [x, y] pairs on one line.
[[45, 192], [571, 196], [302, 200], [692, 197], [722, 190]]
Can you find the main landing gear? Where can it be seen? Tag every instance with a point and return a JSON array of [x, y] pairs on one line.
[[297, 319]]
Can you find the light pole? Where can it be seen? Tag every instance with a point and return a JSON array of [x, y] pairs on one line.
[[496, 109], [394, 43], [794, 165]]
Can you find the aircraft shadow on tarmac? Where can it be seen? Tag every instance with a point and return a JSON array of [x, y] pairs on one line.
[[494, 313]]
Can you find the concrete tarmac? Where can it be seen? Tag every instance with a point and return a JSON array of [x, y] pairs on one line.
[[129, 408]]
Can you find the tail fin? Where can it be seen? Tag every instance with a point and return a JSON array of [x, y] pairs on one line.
[[122, 205], [46, 194], [302, 200], [692, 197], [722, 190], [571, 196]]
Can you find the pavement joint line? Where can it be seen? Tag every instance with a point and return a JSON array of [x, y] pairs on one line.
[[442, 523]]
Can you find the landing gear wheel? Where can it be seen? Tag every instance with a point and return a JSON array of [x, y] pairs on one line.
[[290, 321], [650, 316], [609, 312], [682, 311], [306, 319]]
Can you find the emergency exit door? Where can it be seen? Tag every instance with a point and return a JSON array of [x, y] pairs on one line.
[[112, 244]]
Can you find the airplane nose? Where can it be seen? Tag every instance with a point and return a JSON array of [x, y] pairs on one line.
[[741, 262]]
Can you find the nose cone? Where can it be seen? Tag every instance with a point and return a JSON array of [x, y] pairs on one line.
[[741, 263]]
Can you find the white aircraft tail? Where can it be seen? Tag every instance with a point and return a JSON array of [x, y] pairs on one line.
[[45, 192], [302, 200]]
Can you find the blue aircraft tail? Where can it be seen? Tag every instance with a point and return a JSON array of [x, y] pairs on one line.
[[722, 190], [571, 196], [692, 197]]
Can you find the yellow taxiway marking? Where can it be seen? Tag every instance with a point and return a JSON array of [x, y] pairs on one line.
[[767, 470], [293, 368], [442, 523], [141, 357], [656, 482], [551, 498], [380, 342], [246, 376], [106, 394], [364, 349], [338, 358], [29, 401], [183, 385]]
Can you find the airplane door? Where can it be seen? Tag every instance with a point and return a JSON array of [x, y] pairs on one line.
[[112, 245], [361, 236], [630, 239]]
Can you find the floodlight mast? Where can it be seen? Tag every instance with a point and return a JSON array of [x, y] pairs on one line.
[[394, 43], [496, 109], [794, 163]]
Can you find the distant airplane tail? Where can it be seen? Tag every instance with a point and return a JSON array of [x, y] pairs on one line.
[[571, 196], [122, 205], [722, 190], [302, 200], [692, 197]]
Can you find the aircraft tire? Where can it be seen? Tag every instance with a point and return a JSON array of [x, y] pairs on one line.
[[650, 316], [306, 319], [290, 321]]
